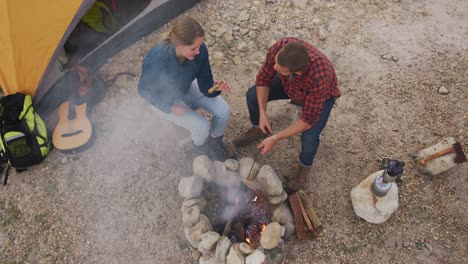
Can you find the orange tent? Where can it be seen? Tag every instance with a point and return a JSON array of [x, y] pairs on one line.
[[30, 34]]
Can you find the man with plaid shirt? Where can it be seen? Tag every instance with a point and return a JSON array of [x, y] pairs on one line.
[[294, 70]]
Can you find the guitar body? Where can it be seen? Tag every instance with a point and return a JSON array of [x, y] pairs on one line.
[[71, 135]]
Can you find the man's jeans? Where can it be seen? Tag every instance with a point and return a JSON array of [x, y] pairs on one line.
[[194, 122], [310, 139]]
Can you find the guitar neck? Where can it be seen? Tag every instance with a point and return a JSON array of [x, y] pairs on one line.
[[71, 108]]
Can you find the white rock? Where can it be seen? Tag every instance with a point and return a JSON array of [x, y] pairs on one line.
[[300, 3], [209, 239], [232, 164], [200, 228], [204, 260], [220, 31], [271, 236], [362, 199], [203, 167], [220, 169], [245, 164], [190, 187], [242, 46], [191, 216], [322, 33], [257, 257], [231, 179], [283, 215], [269, 180], [237, 60], [235, 256], [244, 31], [243, 16], [218, 55], [443, 90], [278, 198], [317, 21], [200, 202], [245, 248], [222, 249]]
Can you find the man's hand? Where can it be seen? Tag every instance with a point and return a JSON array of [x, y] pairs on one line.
[[267, 144], [264, 124], [178, 109], [223, 86]]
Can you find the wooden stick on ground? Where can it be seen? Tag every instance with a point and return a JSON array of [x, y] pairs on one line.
[[298, 220], [310, 210], [306, 217]]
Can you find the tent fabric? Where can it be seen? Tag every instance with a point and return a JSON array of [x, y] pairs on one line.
[[30, 34]]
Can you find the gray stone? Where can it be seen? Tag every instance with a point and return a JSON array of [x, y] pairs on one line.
[[257, 257], [322, 33], [443, 90], [278, 199], [245, 248], [231, 179], [300, 3], [200, 202], [190, 187], [317, 21], [203, 167], [270, 181], [283, 215], [235, 256], [191, 216], [220, 31], [220, 170], [244, 168], [244, 31], [242, 46], [271, 236], [363, 201], [222, 249], [243, 16], [232, 164], [210, 260], [200, 228], [209, 239]]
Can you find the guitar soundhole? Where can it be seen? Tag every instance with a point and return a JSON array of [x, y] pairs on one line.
[[72, 134]]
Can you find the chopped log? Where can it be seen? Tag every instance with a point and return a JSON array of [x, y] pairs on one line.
[[310, 210], [306, 217], [296, 208]]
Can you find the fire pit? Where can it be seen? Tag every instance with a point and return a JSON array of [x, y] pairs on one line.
[[228, 218]]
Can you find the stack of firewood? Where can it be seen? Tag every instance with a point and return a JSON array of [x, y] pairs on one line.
[[304, 215]]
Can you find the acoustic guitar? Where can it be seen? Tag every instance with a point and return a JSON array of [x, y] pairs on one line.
[[73, 131]]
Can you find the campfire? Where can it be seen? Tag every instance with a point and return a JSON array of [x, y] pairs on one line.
[[253, 215], [229, 215]]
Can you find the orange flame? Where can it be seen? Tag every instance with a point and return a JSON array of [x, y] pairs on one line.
[[263, 228], [255, 199], [248, 240]]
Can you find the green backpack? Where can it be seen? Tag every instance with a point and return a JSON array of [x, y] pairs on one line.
[[24, 140]]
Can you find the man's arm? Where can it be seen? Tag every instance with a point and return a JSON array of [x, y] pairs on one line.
[[294, 129], [262, 98]]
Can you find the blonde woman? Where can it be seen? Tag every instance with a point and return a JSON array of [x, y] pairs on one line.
[[176, 76]]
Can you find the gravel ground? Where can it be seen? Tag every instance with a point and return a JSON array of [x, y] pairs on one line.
[[117, 202]]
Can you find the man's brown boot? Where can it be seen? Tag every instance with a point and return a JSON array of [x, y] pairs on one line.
[[298, 180], [248, 137]]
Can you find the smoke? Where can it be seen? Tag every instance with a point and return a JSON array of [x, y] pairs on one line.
[[125, 184]]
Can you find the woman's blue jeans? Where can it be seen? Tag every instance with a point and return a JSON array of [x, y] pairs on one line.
[[194, 122], [310, 139]]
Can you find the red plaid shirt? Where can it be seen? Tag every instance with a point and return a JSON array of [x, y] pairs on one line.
[[310, 89]]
